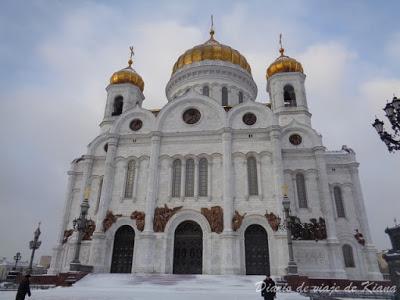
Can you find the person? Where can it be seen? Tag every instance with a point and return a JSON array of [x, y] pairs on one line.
[[269, 290], [23, 288]]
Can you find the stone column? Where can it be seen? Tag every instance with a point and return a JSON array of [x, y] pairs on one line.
[[98, 246], [246, 179], [196, 179], [209, 179], [369, 250], [56, 262], [183, 179], [136, 180], [146, 247], [334, 251], [275, 136], [259, 178], [229, 249]]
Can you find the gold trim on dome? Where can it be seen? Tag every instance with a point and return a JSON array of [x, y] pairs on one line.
[[211, 50]]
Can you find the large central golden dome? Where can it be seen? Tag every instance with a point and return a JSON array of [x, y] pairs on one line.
[[211, 50]]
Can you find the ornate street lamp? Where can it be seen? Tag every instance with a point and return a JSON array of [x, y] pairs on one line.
[[392, 257], [80, 225], [392, 110], [17, 258], [34, 245], [292, 266]]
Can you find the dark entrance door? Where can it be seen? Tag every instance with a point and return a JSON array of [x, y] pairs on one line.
[[124, 241], [188, 249], [256, 249]]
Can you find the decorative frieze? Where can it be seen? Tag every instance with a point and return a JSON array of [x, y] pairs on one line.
[[273, 220], [109, 219], [162, 215], [139, 216], [215, 217], [237, 220]]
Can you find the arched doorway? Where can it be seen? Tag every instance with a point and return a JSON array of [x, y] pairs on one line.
[[188, 248], [122, 256], [256, 250]]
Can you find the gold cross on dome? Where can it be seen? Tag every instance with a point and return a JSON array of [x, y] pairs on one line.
[[212, 26], [130, 61], [281, 50]]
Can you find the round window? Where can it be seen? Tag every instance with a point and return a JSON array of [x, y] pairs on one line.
[[191, 116], [249, 119], [136, 124], [295, 139]]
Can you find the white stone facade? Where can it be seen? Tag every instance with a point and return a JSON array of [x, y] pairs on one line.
[[226, 142]]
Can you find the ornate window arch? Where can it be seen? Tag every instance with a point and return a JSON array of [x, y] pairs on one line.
[[206, 91], [130, 178], [240, 97], [252, 176], [289, 95], [176, 178], [203, 177], [189, 178], [117, 106], [348, 256], [301, 190], [338, 195], [224, 95]]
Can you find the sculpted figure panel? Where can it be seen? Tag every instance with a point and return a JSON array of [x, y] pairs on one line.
[[90, 228], [237, 220], [215, 217], [273, 220], [162, 215], [67, 234], [139, 217], [109, 220]]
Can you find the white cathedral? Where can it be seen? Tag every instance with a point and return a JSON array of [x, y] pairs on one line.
[[196, 186]]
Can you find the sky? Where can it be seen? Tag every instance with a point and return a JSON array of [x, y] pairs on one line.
[[56, 58]]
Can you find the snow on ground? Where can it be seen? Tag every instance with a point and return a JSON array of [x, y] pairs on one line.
[[155, 287]]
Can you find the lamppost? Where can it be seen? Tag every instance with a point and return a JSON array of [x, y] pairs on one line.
[[80, 225], [292, 266], [392, 110], [17, 258], [34, 245]]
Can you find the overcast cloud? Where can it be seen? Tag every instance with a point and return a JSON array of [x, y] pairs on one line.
[[56, 59]]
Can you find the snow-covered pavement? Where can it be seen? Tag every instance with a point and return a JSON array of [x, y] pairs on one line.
[[155, 287]]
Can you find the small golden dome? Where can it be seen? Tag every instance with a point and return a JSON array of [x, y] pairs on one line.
[[211, 50], [128, 75], [284, 64]]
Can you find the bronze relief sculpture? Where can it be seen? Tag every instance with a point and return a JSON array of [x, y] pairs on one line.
[[67, 234], [109, 220], [139, 217], [273, 220], [215, 217], [162, 216], [90, 228], [237, 220], [360, 237]]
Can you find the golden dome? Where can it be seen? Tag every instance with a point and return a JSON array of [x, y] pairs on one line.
[[128, 75], [284, 64], [211, 50]]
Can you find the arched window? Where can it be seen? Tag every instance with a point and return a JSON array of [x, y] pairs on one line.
[[206, 91], [301, 190], [203, 177], [189, 178], [337, 193], [130, 177], [176, 177], [240, 96], [252, 176], [224, 96], [348, 256], [289, 96], [118, 105]]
